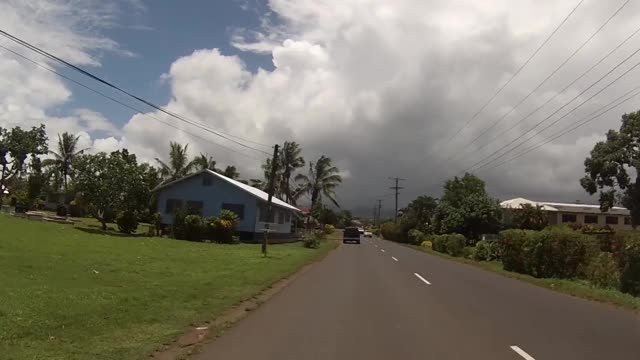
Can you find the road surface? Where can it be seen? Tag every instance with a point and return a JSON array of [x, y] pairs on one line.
[[380, 300]]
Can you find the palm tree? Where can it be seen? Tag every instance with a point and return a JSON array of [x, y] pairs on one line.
[[63, 159], [179, 165], [231, 172], [204, 162], [257, 183], [322, 180], [290, 160]]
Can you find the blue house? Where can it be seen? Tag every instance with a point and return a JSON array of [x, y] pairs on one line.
[[208, 192]]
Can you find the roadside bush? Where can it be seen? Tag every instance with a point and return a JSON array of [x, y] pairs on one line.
[[194, 228], [511, 248], [329, 229], [145, 216], [415, 236], [603, 271], [486, 251], [630, 277], [427, 244], [127, 222], [312, 241], [469, 252], [553, 252], [391, 231], [561, 252], [439, 243], [455, 244]]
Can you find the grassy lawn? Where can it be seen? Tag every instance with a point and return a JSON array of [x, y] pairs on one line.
[[69, 294], [579, 288]]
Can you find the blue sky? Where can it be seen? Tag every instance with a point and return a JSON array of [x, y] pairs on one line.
[[159, 34]]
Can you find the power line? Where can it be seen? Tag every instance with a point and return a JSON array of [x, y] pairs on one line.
[[495, 94], [146, 102], [493, 125], [397, 189], [557, 120], [134, 109], [572, 127]]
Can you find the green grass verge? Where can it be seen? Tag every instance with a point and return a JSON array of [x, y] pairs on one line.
[[578, 288], [69, 294]]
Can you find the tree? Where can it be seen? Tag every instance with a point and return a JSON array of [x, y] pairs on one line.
[[112, 182], [178, 166], [325, 216], [322, 180], [530, 217], [36, 180], [63, 159], [15, 145], [290, 159], [203, 162], [608, 165], [345, 218], [419, 214], [230, 172], [257, 183], [467, 209]]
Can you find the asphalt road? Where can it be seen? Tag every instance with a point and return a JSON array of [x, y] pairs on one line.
[[380, 300]]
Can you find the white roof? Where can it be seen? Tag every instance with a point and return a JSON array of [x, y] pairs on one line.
[[250, 189], [565, 207], [518, 202]]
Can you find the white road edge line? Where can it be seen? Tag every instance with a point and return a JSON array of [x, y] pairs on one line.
[[382, 250], [394, 258], [522, 353], [423, 280]]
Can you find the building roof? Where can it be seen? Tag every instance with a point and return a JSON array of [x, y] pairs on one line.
[[564, 207], [250, 189], [518, 202]]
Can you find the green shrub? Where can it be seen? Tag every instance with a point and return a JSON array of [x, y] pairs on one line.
[[329, 229], [229, 216], [127, 222], [469, 252], [427, 244], [439, 243], [156, 220], [194, 228], [486, 251], [221, 229], [312, 241], [177, 228], [630, 277], [455, 244], [415, 236], [603, 271], [511, 249], [391, 231], [553, 252]]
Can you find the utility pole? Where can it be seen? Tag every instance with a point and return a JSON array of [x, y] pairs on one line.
[[379, 211], [397, 189], [272, 180]]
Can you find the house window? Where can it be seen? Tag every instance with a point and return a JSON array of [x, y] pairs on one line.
[[172, 205], [238, 209], [591, 219], [627, 220], [263, 214], [287, 216], [280, 217], [568, 218], [207, 180], [612, 220], [194, 207]]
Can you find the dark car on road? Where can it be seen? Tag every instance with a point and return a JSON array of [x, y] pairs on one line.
[[351, 234]]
